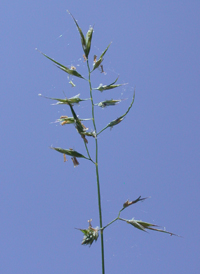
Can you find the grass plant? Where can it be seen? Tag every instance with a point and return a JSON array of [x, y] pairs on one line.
[[91, 234]]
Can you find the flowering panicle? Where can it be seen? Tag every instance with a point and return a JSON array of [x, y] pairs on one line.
[[91, 234]]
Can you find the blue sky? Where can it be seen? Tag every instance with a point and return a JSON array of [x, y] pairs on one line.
[[153, 152]]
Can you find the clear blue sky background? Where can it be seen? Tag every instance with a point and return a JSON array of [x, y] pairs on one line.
[[153, 152]]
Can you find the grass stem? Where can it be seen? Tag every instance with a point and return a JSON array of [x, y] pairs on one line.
[[97, 175]]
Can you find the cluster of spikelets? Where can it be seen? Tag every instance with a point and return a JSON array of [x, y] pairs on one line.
[[90, 235]]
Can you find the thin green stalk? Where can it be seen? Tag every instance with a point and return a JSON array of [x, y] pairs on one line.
[[88, 153], [97, 176], [117, 218], [111, 223], [102, 130], [122, 219]]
